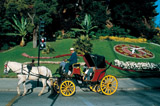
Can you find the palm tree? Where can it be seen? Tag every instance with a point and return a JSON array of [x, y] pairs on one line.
[[20, 26], [86, 25]]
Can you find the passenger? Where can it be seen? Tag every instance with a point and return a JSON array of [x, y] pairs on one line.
[[72, 60], [88, 73]]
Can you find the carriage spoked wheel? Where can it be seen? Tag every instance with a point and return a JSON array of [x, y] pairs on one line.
[[67, 88], [56, 86], [95, 88], [109, 85]]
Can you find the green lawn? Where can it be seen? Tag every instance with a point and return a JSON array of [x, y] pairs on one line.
[[101, 47]]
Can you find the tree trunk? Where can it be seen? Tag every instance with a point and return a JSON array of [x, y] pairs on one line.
[[22, 43], [35, 36]]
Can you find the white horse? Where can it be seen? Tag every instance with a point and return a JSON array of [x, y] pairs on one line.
[[23, 74]]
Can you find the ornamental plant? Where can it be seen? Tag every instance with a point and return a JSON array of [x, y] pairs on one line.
[[21, 28], [86, 25], [83, 45], [123, 39]]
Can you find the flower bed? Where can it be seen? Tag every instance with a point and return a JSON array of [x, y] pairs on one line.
[[123, 39], [137, 66]]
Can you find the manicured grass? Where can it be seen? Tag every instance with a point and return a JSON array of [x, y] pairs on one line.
[[101, 47]]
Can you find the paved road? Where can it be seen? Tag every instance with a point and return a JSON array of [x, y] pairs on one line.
[[120, 98], [130, 92], [9, 84]]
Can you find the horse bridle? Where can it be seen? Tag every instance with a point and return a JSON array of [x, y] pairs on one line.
[[6, 65]]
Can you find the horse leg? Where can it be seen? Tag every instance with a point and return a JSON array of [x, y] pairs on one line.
[[44, 86], [50, 85], [25, 90], [18, 89]]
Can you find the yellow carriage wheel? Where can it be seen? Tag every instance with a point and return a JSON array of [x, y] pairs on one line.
[[56, 86], [109, 85], [95, 88], [67, 88]]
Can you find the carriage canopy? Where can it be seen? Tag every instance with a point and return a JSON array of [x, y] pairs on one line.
[[94, 60]]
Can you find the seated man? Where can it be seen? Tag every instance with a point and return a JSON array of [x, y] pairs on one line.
[[88, 73], [72, 60]]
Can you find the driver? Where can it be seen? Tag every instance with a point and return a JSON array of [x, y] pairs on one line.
[[72, 60]]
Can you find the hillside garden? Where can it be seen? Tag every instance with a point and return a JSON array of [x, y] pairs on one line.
[[90, 26]]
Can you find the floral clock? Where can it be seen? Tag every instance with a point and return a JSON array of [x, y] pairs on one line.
[[133, 51]]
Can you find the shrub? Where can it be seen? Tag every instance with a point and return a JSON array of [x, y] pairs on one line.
[[156, 39], [68, 34], [48, 50], [5, 47], [103, 32], [83, 45], [118, 31]]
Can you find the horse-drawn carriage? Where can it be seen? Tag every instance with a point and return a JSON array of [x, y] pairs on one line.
[[98, 82], [66, 85]]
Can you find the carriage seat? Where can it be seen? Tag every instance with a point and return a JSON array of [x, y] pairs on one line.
[[75, 69]]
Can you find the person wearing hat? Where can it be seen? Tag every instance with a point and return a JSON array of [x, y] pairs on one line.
[[72, 60]]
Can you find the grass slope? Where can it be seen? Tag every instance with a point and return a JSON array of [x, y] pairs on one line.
[[101, 47]]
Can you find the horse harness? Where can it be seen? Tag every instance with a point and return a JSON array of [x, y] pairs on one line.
[[28, 73]]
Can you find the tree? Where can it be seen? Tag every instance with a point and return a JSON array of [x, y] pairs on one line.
[[97, 9], [136, 15], [86, 25], [20, 27], [33, 10]]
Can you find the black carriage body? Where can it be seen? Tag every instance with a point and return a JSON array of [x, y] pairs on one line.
[[94, 60]]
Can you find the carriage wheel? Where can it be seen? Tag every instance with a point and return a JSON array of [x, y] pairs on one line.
[[95, 88], [67, 88], [56, 86], [109, 85]]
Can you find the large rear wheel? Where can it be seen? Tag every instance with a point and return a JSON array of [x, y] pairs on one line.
[[67, 88], [109, 85]]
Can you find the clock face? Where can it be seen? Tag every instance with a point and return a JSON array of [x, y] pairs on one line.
[[133, 51]]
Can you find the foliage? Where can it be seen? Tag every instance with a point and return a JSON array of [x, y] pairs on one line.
[[118, 31], [20, 26], [68, 34], [156, 39], [136, 15], [61, 47], [48, 50], [86, 25], [5, 47], [124, 39], [97, 9], [58, 35], [103, 32], [83, 45]]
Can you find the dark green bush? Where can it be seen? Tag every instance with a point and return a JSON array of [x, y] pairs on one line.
[[83, 45], [5, 47], [156, 39]]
